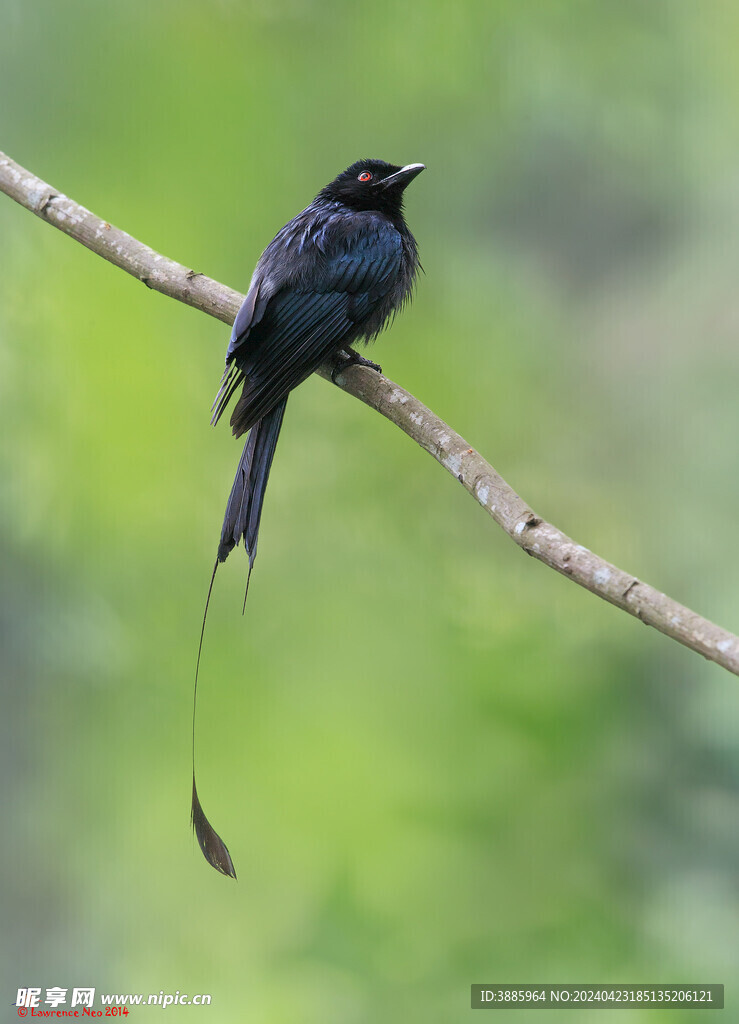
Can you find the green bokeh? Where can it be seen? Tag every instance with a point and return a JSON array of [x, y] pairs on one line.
[[434, 761]]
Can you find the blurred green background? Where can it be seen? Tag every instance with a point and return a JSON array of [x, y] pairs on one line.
[[435, 762]]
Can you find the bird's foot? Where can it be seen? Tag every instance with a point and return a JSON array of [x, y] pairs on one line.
[[348, 357]]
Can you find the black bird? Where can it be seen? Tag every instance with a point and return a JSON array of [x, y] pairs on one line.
[[334, 275]]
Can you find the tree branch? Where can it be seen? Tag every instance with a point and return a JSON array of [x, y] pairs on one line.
[[529, 531]]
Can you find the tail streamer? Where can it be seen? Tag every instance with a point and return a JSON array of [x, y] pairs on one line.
[[214, 849]]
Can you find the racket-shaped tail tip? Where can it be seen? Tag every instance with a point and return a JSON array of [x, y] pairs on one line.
[[214, 849]]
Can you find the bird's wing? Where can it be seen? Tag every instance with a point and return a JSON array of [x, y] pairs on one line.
[[306, 320], [250, 312]]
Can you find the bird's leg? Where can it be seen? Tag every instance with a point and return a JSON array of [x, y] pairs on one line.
[[355, 358], [348, 357]]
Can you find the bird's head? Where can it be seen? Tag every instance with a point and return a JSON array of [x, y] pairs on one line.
[[372, 185]]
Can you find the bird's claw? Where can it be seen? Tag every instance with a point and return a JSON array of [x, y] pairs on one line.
[[346, 357]]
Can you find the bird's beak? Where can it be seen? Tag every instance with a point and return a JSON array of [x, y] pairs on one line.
[[402, 177]]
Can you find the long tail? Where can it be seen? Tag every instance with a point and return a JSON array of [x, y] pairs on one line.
[[244, 509], [243, 513]]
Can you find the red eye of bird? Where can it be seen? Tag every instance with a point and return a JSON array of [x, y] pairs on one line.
[[365, 176]]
